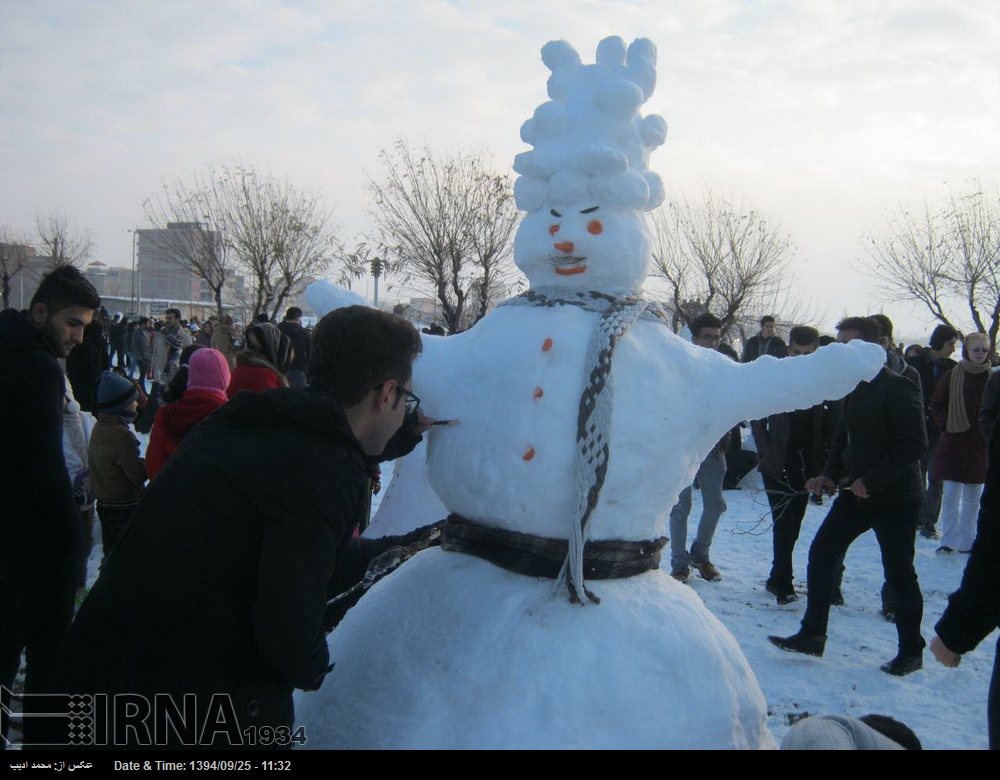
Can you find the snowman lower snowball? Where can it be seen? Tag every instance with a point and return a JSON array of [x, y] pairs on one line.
[[582, 418]]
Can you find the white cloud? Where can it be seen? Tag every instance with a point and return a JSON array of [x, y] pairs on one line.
[[825, 114]]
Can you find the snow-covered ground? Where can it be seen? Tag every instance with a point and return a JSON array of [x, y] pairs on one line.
[[945, 707]]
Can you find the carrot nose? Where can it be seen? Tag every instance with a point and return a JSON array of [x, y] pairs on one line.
[[564, 246]]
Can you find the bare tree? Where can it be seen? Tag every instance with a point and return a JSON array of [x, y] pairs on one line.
[[239, 219], [14, 254], [60, 242], [945, 257], [355, 264], [187, 221], [720, 256], [282, 235], [447, 221]]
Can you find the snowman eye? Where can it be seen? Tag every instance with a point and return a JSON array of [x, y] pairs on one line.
[[553, 230], [554, 213], [595, 227], [591, 210]]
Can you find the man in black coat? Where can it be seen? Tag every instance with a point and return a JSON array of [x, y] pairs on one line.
[[876, 447], [301, 343], [40, 531], [931, 366], [216, 593], [974, 609], [792, 447], [764, 343]]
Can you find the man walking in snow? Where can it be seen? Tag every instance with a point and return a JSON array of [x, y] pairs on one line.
[[792, 447], [877, 447], [40, 531], [216, 593], [706, 332]]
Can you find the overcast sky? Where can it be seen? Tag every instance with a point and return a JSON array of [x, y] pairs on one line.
[[825, 115]]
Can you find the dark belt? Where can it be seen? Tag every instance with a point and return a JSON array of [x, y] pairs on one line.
[[537, 556]]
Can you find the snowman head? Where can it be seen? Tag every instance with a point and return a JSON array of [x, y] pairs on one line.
[[586, 183]]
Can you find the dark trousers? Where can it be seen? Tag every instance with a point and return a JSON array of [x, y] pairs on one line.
[[144, 422], [930, 508], [36, 607], [114, 518], [849, 517], [143, 366], [788, 501]]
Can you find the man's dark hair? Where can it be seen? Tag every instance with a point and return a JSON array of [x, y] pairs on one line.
[[262, 317], [767, 318], [803, 335], [356, 348], [64, 287], [898, 732], [867, 328], [175, 312], [705, 320], [942, 334], [293, 313], [884, 325], [143, 321]]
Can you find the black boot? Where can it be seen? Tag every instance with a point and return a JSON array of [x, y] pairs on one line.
[[904, 664], [807, 644]]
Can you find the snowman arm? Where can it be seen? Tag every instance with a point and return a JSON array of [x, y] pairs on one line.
[[751, 391]]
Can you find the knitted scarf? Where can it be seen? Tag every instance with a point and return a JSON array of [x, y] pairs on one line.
[[958, 418], [595, 409]]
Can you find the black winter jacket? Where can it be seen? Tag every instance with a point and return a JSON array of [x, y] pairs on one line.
[[221, 580], [880, 438], [38, 518]]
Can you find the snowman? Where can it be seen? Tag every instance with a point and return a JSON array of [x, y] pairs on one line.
[[543, 621]]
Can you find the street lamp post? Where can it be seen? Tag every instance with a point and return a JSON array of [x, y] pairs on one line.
[[136, 293], [376, 273]]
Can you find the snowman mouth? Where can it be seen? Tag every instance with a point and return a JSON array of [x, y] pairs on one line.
[[567, 265]]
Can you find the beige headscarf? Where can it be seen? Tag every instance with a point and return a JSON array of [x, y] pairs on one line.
[[958, 418]]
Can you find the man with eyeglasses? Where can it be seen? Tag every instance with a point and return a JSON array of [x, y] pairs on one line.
[[706, 332], [221, 581]]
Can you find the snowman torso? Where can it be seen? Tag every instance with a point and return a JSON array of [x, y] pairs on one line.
[[515, 382]]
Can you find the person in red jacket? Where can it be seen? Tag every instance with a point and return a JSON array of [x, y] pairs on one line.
[[208, 378], [262, 365]]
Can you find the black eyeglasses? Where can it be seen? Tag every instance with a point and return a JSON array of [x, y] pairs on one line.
[[412, 401]]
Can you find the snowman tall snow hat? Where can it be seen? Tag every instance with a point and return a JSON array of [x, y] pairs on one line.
[[590, 142]]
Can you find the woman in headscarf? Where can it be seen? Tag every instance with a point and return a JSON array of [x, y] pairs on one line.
[[960, 457], [262, 365]]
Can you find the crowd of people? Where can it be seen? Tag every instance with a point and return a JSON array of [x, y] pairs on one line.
[[206, 537]]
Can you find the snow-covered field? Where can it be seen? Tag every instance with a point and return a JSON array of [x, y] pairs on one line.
[[945, 707]]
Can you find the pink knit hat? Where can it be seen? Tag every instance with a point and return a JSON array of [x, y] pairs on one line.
[[208, 369]]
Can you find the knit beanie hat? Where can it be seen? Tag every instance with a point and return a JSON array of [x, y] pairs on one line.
[[114, 393], [208, 369]]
